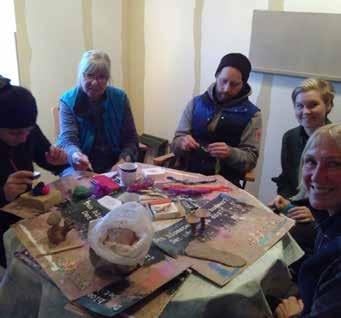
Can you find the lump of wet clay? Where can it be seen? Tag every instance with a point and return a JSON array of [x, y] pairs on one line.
[[57, 233]]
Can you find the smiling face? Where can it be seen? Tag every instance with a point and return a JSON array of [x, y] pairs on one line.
[[322, 175], [310, 110], [228, 84]]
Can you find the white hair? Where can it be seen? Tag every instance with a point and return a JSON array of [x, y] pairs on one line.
[[331, 132], [94, 61]]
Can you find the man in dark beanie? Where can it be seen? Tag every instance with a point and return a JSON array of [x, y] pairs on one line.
[[219, 131], [21, 143]]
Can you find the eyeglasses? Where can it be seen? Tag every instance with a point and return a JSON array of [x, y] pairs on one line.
[[99, 78]]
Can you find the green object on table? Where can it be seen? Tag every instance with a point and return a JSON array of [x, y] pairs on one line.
[[286, 208], [80, 193], [217, 167]]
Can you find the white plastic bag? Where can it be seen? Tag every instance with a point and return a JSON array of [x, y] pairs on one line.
[[132, 216]]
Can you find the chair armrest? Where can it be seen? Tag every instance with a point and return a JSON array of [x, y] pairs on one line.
[[143, 147], [160, 161]]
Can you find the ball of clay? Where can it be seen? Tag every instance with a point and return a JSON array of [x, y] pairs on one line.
[[80, 193], [120, 236], [53, 219]]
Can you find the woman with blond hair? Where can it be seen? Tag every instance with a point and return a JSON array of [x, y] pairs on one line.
[[96, 122], [313, 100], [320, 275]]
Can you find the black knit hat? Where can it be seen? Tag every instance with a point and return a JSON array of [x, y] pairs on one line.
[[238, 61], [18, 108]]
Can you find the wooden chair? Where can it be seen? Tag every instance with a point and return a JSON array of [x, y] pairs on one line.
[[151, 147], [55, 117], [170, 159]]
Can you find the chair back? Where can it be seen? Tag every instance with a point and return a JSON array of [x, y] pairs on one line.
[[55, 117], [153, 147]]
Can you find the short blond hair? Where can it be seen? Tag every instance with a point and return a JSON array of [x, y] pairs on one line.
[[324, 87], [94, 61], [331, 132]]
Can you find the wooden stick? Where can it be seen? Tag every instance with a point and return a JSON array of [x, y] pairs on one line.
[[59, 250]]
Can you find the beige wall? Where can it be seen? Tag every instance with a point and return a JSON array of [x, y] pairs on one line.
[[169, 66], [52, 35], [163, 53]]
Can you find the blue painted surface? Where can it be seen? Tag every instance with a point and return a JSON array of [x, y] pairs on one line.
[[222, 270]]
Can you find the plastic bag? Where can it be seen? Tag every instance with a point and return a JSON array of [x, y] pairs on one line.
[[131, 216]]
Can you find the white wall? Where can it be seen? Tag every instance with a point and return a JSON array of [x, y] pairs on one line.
[[226, 28], [8, 61], [107, 34], [51, 28], [326, 6], [169, 63]]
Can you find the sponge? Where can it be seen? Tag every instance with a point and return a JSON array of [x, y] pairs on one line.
[[41, 202]]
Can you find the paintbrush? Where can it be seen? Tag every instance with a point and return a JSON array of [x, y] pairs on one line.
[[61, 249]]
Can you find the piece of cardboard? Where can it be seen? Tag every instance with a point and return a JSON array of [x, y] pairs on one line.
[[233, 226], [205, 251]]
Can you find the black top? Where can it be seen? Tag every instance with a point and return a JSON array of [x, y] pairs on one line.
[[293, 143], [320, 275], [22, 157]]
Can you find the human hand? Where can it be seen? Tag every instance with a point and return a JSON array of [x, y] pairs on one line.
[[289, 307], [17, 183], [300, 214], [219, 150], [115, 166], [278, 202], [80, 161], [56, 156], [188, 143]]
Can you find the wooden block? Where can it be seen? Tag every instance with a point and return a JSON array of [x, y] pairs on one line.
[[169, 212], [41, 202], [207, 252]]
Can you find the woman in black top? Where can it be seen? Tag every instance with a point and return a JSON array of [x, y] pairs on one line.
[[313, 100]]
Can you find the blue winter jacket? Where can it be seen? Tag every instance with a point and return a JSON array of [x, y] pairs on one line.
[[320, 275]]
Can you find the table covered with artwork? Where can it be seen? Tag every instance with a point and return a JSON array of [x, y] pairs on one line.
[[42, 281]]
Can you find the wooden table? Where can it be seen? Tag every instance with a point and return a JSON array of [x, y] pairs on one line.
[[25, 291]]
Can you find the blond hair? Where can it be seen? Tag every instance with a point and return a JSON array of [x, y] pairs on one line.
[[325, 89]]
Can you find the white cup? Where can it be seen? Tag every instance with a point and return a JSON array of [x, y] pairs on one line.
[[127, 172]]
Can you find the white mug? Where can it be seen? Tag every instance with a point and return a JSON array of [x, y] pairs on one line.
[[127, 172]]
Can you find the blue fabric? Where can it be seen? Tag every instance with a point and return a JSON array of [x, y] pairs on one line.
[[231, 124], [320, 275], [114, 107], [233, 120]]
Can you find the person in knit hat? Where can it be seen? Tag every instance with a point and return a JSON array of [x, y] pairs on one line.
[[219, 131], [22, 143]]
